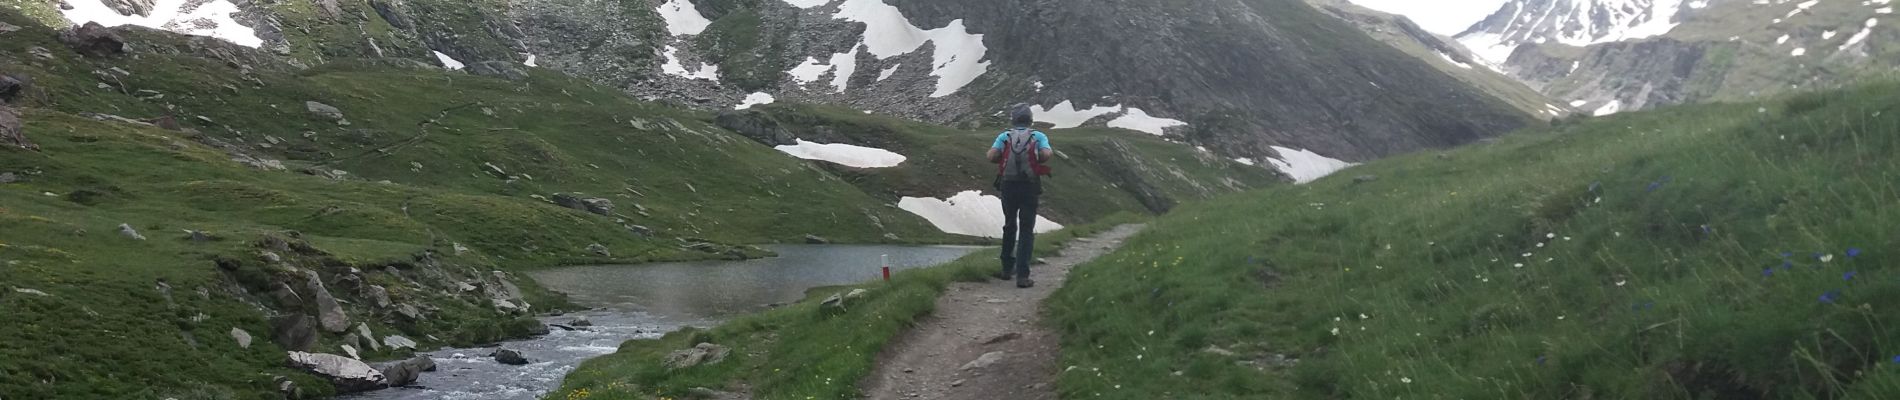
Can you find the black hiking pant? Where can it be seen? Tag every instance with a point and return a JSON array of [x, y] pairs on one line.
[[1020, 200]]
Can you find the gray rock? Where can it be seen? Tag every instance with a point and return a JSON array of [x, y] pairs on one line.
[[325, 110], [12, 127], [8, 28], [11, 86], [640, 230], [93, 40], [399, 343], [406, 372], [510, 357], [34, 292], [492, 169], [600, 250], [243, 338], [378, 296], [856, 294], [409, 312], [815, 239], [130, 7], [295, 332], [369, 339], [286, 297], [349, 375], [581, 322], [984, 361], [127, 231], [8, 177], [351, 349], [701, 354], [507, 306], [329, 312], [197, 236], [832, 305], [1002, 338], [598, 206]]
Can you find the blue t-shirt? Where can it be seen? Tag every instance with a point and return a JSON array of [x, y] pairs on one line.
[[1042, 141]]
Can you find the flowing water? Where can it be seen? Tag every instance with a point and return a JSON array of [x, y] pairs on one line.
[[647, 301]]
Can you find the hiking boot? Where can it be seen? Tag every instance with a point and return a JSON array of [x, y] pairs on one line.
[[1002, 276], [1025, 283]]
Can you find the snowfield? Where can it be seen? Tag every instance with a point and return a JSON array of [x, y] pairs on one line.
[[203, 18], [844, 154], [1306, 166], [957, 55], [682, 18], [1064, 115], [970, 213], [674, 67]]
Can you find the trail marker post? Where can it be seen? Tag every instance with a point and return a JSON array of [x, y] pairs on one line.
[[885, 260]]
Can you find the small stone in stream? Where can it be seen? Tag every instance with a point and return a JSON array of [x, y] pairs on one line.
[[510, 357], [581, 321], [910, 370], [1002, 338], [126, 229], [563, 327], [958, 383]]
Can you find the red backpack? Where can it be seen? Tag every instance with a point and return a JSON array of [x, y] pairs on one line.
[[1020, 161]]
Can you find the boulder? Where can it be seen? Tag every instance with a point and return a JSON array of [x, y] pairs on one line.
[[581, 322], [93, 40], [369, 339], [127, 231], [409, 312], [399, 343], [243, 338], [510, 357], [405, 372], [351, 349], [11, 86], [833, 304], [286, 297], [326, 111], [295, 332], [599, 249], [815, 239], [702, 354], [602, 207], [639, 230], [378, 296], [499, 69], [349, 375], [329, 313]]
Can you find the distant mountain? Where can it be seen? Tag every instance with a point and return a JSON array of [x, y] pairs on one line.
[[1607, 56], [1445, 54], [1237, 76]]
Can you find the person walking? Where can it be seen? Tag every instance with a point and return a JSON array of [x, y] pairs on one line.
[[1019, 154]]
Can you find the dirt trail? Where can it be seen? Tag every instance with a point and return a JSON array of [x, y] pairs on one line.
[[986, 340]]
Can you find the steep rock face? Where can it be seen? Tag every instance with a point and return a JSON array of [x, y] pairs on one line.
[[1445, 54]]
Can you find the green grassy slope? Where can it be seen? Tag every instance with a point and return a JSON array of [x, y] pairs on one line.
[[1720, 251]]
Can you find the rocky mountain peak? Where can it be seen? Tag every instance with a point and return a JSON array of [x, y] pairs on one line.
[[1571, 22]]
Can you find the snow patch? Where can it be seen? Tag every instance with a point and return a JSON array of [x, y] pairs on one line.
[[844, 154], [970, 213], [1454, 61], [755, 99], [1064, 115], [1246, 161], [682, 18], [888, 72], [449, 62], [212, 18], [1306, 166], [1862, 35], [1139, 120], [840, 65], [674, 67], [532, 61], [1613, 107]]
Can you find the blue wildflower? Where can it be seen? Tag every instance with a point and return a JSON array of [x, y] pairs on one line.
[[1786, 254], [1768, 272], [1853, 252], [1848, 276], [1787, 265], [1896, 359], [1830, 296], [1540, 359], [1653, 186]]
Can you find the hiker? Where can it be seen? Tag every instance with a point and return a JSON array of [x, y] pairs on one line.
[[1019, 154]]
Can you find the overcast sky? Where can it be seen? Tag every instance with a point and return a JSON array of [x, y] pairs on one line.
[[1445, 17]]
